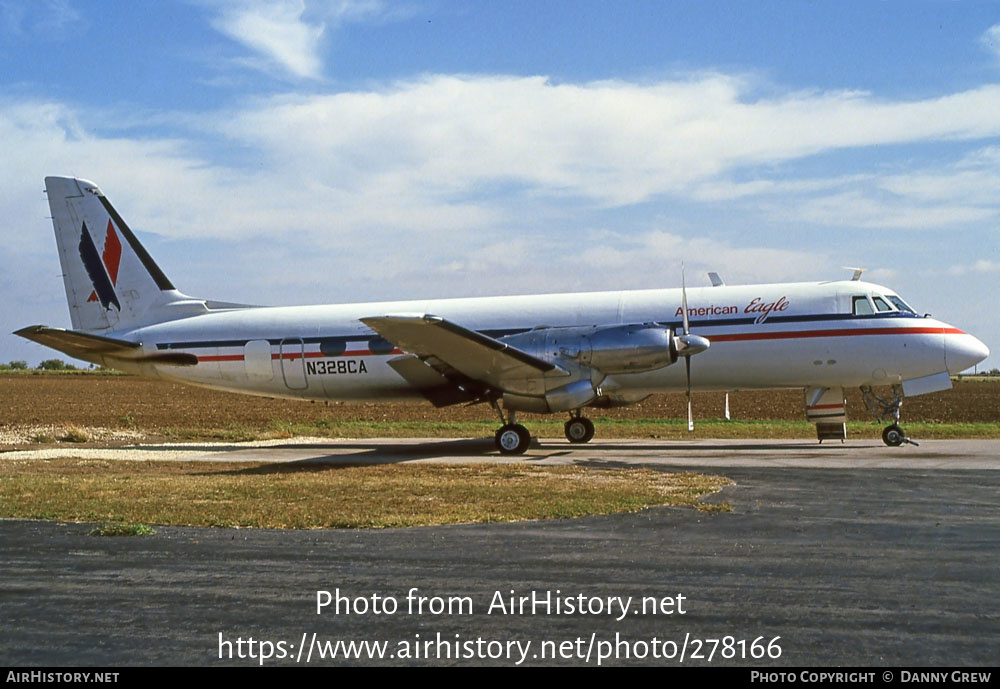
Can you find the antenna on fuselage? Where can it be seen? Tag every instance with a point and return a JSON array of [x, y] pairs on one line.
[[857, 272]]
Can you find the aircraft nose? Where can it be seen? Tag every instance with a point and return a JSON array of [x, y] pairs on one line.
[[963, 351]]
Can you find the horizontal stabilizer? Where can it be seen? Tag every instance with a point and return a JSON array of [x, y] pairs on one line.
[[76, 343], [96, 348]]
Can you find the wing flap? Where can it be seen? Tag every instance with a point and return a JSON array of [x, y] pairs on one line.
[[474, 355], [440, 389]]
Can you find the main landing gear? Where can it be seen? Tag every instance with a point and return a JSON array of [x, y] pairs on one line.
[[579, 429], [885, 408], [513, 439]]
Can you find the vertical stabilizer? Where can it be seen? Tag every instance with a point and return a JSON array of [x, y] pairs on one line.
[[111, 282]]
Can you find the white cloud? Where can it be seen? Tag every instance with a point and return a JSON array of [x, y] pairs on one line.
[[611, 143], [944, 195], [862, 208], [981, 266], [277, 31], [288, 35], [449, 157]]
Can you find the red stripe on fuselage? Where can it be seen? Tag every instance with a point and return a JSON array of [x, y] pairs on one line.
[[296, 355]]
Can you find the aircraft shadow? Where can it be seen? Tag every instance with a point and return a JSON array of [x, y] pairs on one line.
[[366, 453]]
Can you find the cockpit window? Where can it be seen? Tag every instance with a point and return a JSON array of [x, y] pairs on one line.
[[881, 304], [861, 306], [900, 304]]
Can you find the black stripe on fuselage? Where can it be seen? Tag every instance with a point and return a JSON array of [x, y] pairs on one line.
[[333, 341], [777, 320]]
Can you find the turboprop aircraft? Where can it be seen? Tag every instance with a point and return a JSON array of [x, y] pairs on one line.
[[552, 353]]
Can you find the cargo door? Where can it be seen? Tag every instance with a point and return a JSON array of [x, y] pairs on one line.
[[257, 362], [293, 363]]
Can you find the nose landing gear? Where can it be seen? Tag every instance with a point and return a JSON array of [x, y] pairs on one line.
[[883, 408]]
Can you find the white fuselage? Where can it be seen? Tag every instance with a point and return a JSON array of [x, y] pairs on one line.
[[762, 336]]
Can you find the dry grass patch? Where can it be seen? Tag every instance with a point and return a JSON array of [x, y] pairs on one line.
[[329, 495], [75, 434]]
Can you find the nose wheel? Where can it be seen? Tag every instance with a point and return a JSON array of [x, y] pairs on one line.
[[882, 408], [579, 429], [893, 436]]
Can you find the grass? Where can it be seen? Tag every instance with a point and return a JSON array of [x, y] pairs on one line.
[[74, 434], [667, 429], [127, 495], [100, 371], [118, 529]]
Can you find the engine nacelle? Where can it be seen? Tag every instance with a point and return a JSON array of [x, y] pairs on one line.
[[574, 395], [610, 349], [629, 349], [590, 353]]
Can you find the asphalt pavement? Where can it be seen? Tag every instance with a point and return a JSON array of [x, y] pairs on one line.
[[854, 556]]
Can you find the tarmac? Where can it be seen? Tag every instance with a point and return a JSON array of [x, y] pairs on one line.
[[835, 554]]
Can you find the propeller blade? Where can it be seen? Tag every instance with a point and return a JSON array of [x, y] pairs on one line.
[[684, 302], [687, 369]]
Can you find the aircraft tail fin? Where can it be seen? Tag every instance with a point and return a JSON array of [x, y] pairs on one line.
[[112, 283]]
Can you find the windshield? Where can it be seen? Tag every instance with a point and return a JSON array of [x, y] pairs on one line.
[[899, 303]]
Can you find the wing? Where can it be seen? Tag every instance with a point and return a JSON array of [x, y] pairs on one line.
[[457, 354]]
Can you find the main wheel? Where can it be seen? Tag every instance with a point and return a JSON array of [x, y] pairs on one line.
[[893, 436], [579, 429], [512, 439]]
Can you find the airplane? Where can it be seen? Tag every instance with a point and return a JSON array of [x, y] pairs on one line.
[[549, 353]]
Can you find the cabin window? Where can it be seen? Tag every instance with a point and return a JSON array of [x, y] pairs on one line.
[[861, 306], [900, 304], [380, 345], [333, 347], [881, 304]]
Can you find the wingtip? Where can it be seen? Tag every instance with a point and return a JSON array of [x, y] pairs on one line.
[[30, 330]]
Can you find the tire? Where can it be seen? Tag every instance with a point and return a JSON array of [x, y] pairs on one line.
[[512, 439], [893, 436], [579, 430]]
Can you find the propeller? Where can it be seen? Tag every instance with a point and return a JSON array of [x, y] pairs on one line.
[[688, 345]]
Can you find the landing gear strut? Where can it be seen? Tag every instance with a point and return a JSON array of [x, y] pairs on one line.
[[883, 408], [511, 438], [579, 429]]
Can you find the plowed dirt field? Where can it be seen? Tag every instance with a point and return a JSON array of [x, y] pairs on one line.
[[135, 403]]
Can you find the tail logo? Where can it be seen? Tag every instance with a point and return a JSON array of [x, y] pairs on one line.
[[102, 269]]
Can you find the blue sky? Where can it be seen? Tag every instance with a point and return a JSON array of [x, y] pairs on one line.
[[308, 152]]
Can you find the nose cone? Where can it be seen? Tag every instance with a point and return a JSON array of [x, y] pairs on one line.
[[963, 351]]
